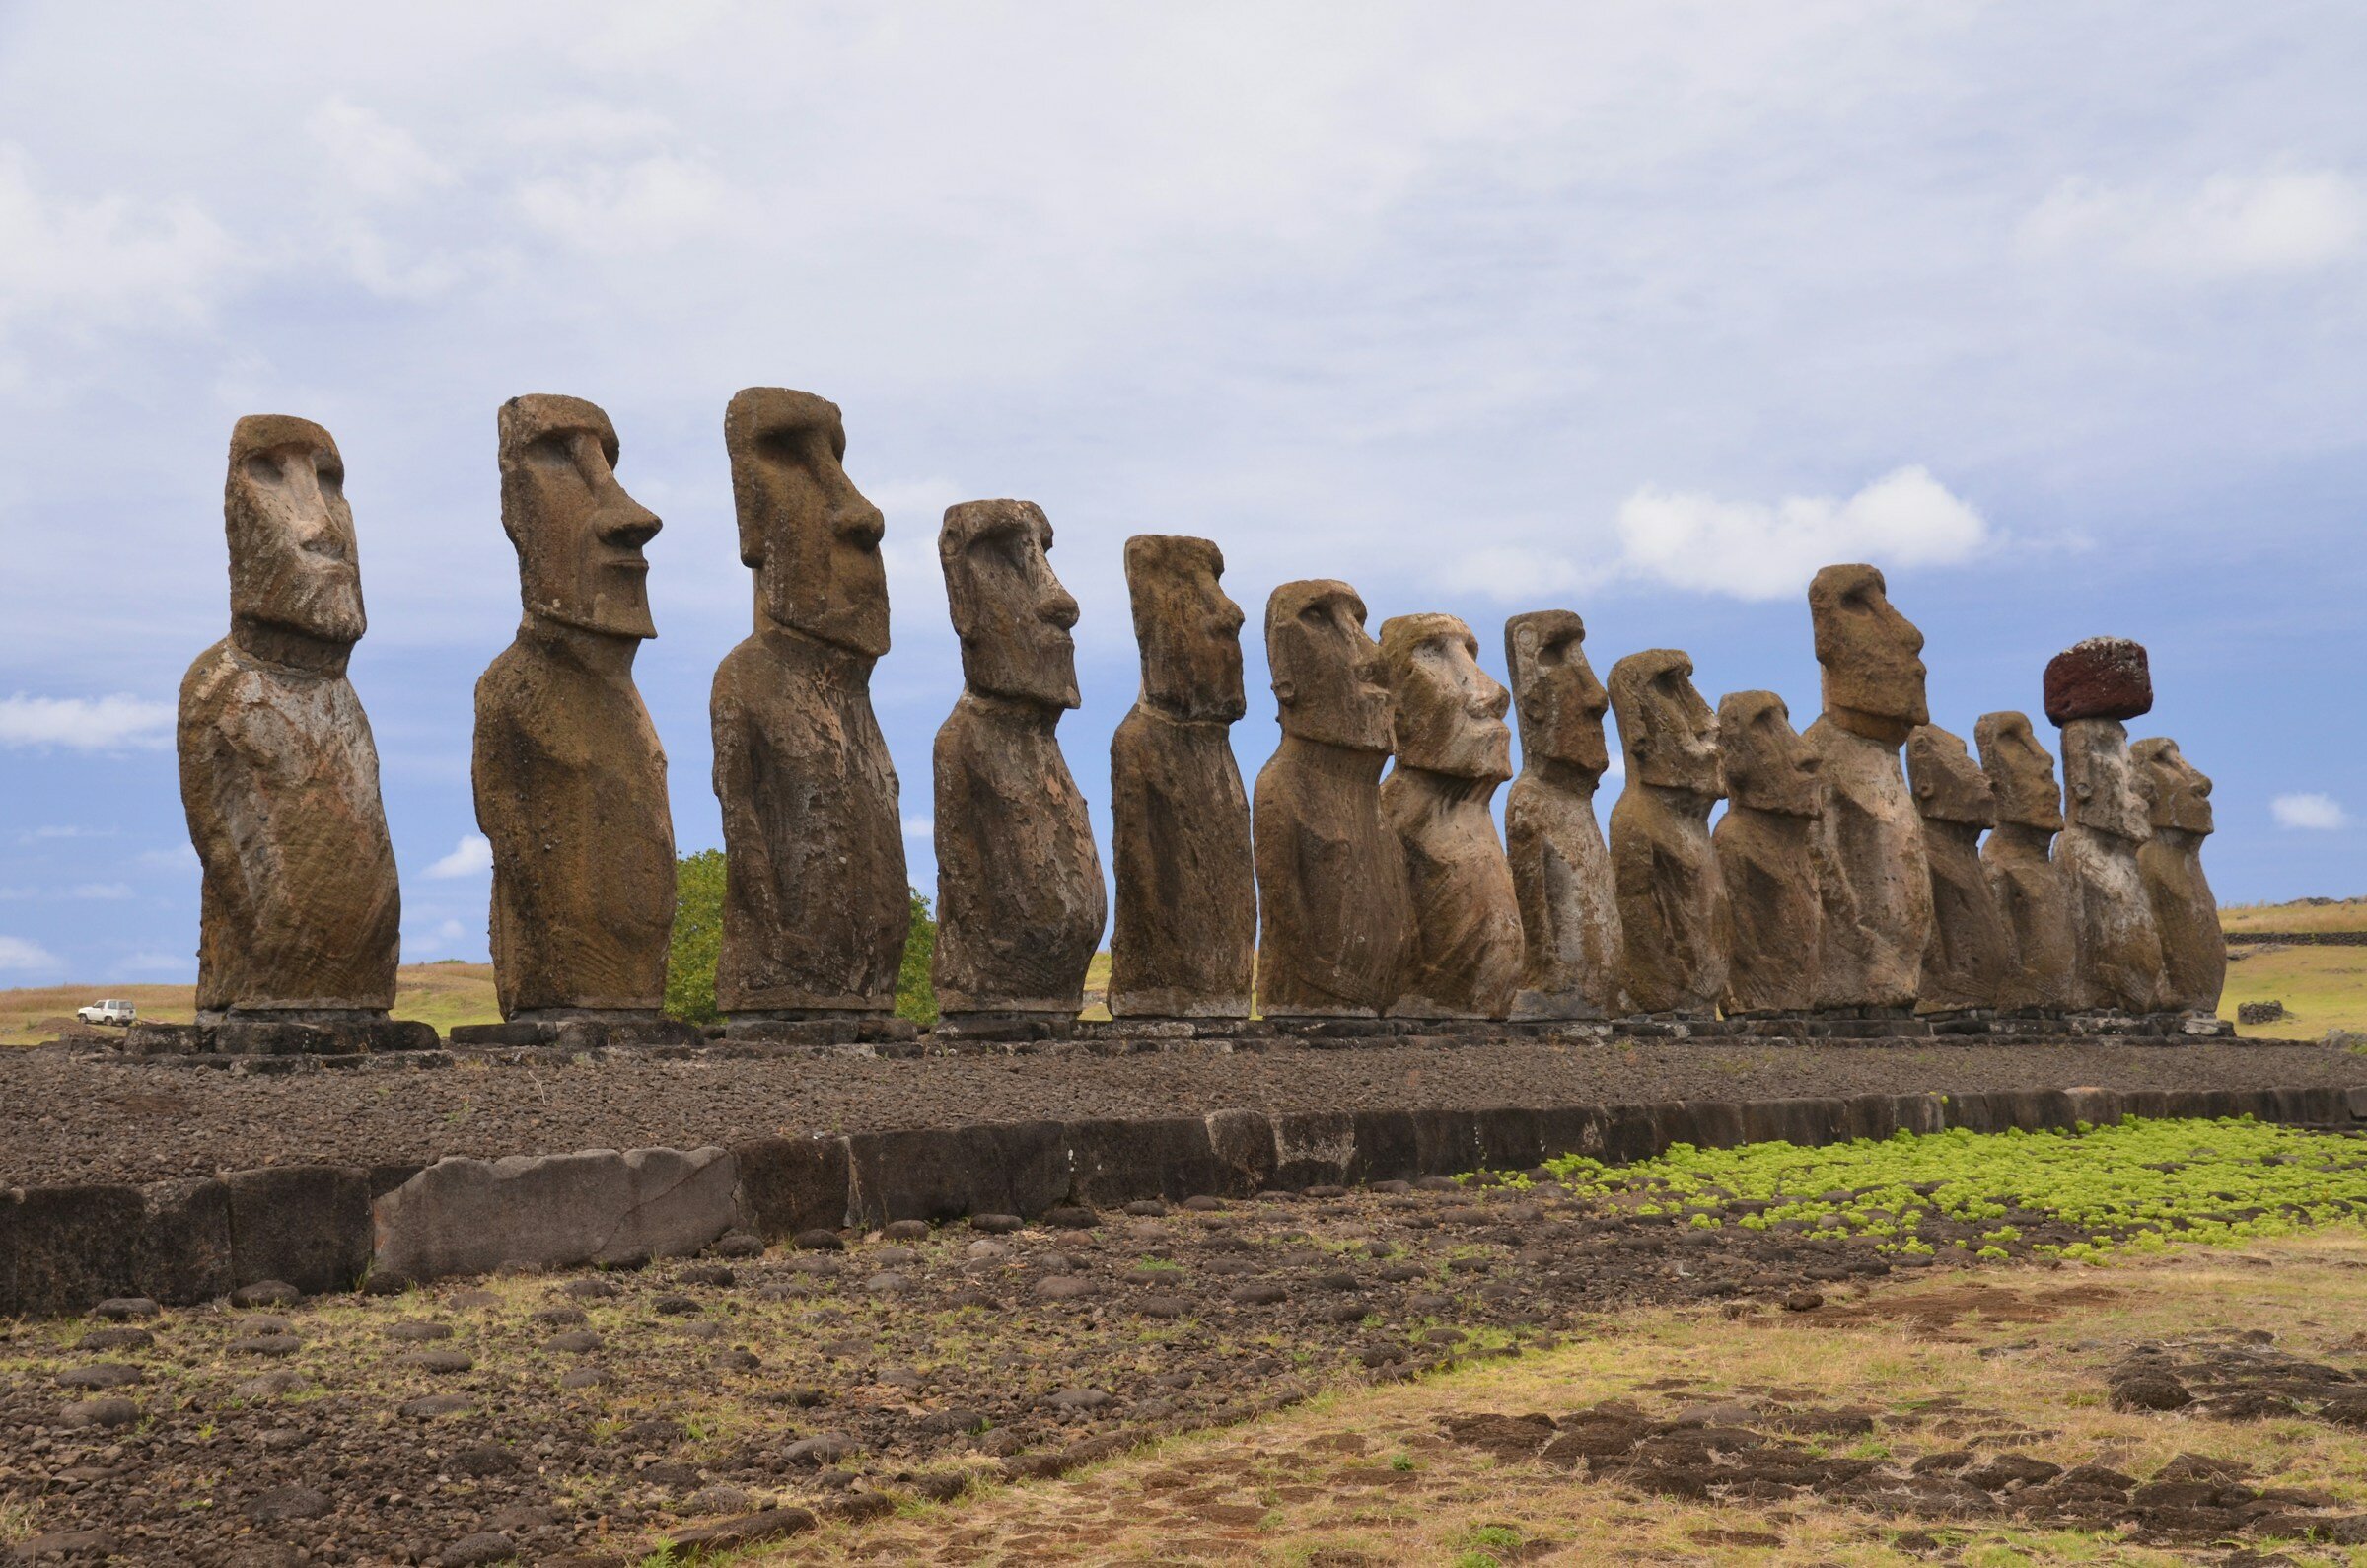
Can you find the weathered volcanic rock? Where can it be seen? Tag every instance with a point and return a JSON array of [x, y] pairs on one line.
[[815, 903], [2119, 949], [1186, 944], [2103, 677], [1673, 907], [1972, 951], [2184, 913], [1571, 958], [2032, 888], [1020, 899], [1767, 845], [301, 910], [1453, 749], [1335, 919], [570, 780]]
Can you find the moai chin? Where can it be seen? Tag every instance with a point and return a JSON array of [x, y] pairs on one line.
[[2184, 913], [2090, 688], [815, 903], [1335, 920], [1571, 958], [1186, 944], [1971, 959], [1672, 904], [1020, 899], [2032, 893], [1766, 846], [1453, 749], [301, 911], [1871, 876], [569, 778]]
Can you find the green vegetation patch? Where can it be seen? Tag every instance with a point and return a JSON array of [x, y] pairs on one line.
[[2142, 1184]]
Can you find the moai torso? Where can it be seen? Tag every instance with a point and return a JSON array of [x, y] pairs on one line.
[[1335, 919], [301, 910], [1872, 880], [569, 778], [2090, 689], [1020, 899], [1768, 855], [1453, 749], [2032, 893], [2184, 913], [1674, 912], [1186, 944], [1971, 957], [815, 902], [1571, 958]]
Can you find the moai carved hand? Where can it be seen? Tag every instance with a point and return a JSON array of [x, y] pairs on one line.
[[2184, 913], [1187, 939], [2032, 888], [1767, 854], [301, 910], [1453, 749], [815, 903], [1971, 960], [1571, 960], [1335, 920], [2090, 688], [1672, 903], [1020, 899], [570, 780]]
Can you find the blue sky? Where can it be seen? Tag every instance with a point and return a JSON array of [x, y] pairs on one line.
[[2057, 313]]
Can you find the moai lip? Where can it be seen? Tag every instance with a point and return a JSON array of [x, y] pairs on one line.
[[1766, 848], [1672, 903], [1571, 953], [2103, 677]]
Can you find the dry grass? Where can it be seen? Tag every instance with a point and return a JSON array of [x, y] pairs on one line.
[[442, 994], [2343, 914], [2323, 988]]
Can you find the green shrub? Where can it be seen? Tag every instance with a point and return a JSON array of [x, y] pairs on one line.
[[915, 996], [698, 939]]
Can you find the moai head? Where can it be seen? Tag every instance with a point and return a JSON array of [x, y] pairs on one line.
[[811, 536], [1669, 733], [578, 535], [2021, 772], [292, 558], [1949, 785], [1448, 714], [1328, 676], [1189, 630], [2101, 781], [1554, 690], [1768, 767], [1011, 613], [1873, 676], [2179, 793]]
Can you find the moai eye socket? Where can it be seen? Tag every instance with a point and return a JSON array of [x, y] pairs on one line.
[[263, 468]]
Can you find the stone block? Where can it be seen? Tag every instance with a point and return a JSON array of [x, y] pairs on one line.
[[943, 1173], [1313, 1148], [64, 1247], [183, 1251], [1117, 1162], [1570, 1129], [306, 1224], [791, 1184], [1446, 1142], [463, 1216], [1242, 1142], [1388, 1146], [1511, 1137]]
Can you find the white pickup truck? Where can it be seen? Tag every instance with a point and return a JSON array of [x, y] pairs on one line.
[[108, 1013]]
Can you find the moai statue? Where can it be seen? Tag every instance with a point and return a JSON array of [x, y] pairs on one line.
[[1871, 876], [1673, 907], [815, 906], [1020, 899], [1453, 749], [2034, 897], [301, 912], [1972, 953], [1766, 844], [2184, 914], [1571, 961], [2090, 688], [570, 780], [1187, 939], [1335, 920]]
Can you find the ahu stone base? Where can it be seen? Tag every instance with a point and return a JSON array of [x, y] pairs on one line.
[[245, 1036]]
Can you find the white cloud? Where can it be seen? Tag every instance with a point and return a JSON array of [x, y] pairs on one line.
[[2230, 225], [649, 205], [18, 953], [1750, 550], [2310, 811], [85, 723], [103, 892], [920, 827], [106, 262], [375, 158], [50, 831], [471, 855], [160, 963], [181, 857]]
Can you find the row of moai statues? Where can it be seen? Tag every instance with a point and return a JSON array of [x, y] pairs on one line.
[[1835, 884]]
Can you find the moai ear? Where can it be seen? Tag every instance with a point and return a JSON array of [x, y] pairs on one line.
[[1286, 693]]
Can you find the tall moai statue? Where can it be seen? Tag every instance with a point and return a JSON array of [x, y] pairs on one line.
[[815, 906], [1336, 922], [1766, 844], [301, 913], [1020, 899], [2032, 888], [2184, 913], [2090, 688], [1186, 944], [1673, 907], [1871, 876], [1453, 750], [1571, 958], [569, 778], [1971, 957]]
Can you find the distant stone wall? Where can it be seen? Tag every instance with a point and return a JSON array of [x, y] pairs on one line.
[[2321, 938]]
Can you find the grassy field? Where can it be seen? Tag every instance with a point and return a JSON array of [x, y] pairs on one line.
[[442, 994], [2338, 914], [2323, 988]]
